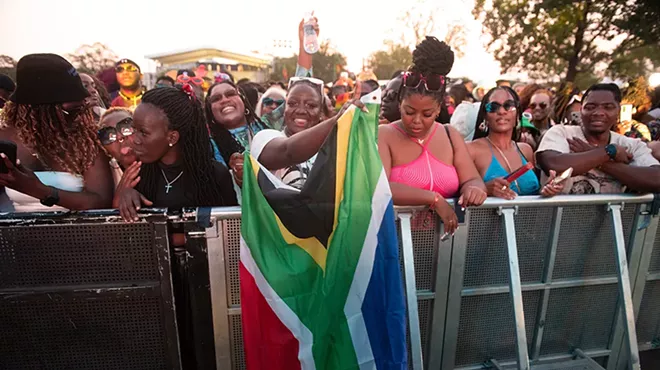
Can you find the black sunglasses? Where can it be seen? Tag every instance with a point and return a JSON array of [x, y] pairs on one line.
[[542, 105], [269, 101], [109, 135], [508, 105]]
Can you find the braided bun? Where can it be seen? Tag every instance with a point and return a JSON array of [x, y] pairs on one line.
[[432, 56]]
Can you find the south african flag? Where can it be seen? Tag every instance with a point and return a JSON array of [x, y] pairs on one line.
[[320, 280]]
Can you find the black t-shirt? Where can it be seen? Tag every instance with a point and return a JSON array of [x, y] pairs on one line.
[[180, 192]]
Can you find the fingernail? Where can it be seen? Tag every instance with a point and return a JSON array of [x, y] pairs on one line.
[[137, 209], [3, 155]]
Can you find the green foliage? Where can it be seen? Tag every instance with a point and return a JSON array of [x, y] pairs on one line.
[[567, 38], [325, 63], [386, 62], [8, 66]]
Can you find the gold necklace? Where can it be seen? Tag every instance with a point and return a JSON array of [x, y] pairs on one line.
[[506, 161]]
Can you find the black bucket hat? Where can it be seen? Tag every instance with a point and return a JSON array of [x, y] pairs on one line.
[[47, 79]]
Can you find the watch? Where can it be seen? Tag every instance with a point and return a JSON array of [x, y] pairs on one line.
[[51, 199], [610, 149]]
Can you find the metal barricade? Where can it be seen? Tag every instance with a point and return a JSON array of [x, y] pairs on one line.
[[86, 291], [569, 289]]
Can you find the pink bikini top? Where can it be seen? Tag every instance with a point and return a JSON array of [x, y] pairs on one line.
[[427, 172]]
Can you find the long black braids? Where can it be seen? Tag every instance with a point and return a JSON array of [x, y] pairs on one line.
[[481, 116], [186, 116], [431, 56], [227, 144]]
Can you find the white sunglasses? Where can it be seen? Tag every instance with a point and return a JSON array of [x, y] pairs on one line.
[[315, 81]]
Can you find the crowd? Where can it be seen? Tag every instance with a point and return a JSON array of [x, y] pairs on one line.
[[180, 145]]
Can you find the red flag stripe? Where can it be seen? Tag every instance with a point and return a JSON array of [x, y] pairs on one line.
[[268, 343]]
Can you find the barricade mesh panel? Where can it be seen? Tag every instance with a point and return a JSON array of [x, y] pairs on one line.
[[231, 232], [425, 240], [654, 265], [84, 254], [487, 328], [586, 242], [648, 321], [486, 259], [123, 331], [579, 317], [236, 335]]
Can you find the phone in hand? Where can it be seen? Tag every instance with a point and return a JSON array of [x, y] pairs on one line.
[[561, 178], [9, 149], [513, 176]]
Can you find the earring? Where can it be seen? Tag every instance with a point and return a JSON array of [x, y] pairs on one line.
[[171, 145], [247, 112], [483, 126]]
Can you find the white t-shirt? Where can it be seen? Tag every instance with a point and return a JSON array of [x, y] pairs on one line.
[[595, 181], [294, 176]]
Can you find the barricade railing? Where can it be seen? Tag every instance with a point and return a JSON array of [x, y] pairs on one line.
[[568, 299], [459, 291]]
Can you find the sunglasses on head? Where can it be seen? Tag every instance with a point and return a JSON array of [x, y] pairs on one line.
[[184, 79], [508, 105], [432, 82], [315, 81], [541, 105], [127, 68], [108, 135], [270, 101]]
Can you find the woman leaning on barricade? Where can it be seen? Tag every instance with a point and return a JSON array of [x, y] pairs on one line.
[[426, 162], [497, 155], [176, 167]]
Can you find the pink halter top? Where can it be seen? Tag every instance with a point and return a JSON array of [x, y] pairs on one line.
[[427, 172]]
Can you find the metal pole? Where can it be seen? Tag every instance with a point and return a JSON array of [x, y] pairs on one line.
[[516, 287], [547, 279], [411, 292], [625, 293]]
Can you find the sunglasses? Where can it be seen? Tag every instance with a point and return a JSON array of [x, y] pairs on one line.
[[270, 101], [315, 81], [219, 77], [433, 82], [109, 135], [128, 68], [508, 105], [183, 79], [541, 105]]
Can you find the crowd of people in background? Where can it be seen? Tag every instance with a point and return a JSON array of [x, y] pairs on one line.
[[88, 141]]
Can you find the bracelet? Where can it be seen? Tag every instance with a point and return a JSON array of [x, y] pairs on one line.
[[435, 201]]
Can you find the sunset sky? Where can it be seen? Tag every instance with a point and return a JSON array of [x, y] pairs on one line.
[[137, 28]]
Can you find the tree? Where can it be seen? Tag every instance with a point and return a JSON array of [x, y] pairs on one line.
[[325, 63], [8, 66], [420, 21], [550, 38], [386, 62], [93, 58]]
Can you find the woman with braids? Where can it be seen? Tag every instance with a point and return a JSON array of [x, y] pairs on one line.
[[176, 167], [60, 160], [495, 152], [426, 162]]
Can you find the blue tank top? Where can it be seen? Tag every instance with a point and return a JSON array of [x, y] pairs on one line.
[[526, 184]]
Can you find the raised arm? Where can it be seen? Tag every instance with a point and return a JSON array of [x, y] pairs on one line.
[[304, 59]]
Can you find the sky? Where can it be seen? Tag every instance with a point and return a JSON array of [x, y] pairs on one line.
[[134, 29]]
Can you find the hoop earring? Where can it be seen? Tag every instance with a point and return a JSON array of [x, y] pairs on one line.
[[483, 126], [247, 112]]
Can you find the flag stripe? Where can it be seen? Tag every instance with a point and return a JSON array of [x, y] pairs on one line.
[[273, 348], [281, 309]]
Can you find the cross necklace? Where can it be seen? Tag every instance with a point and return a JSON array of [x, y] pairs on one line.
[[168, 186]]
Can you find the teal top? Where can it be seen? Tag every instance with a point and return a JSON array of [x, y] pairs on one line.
[[526, 184]]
